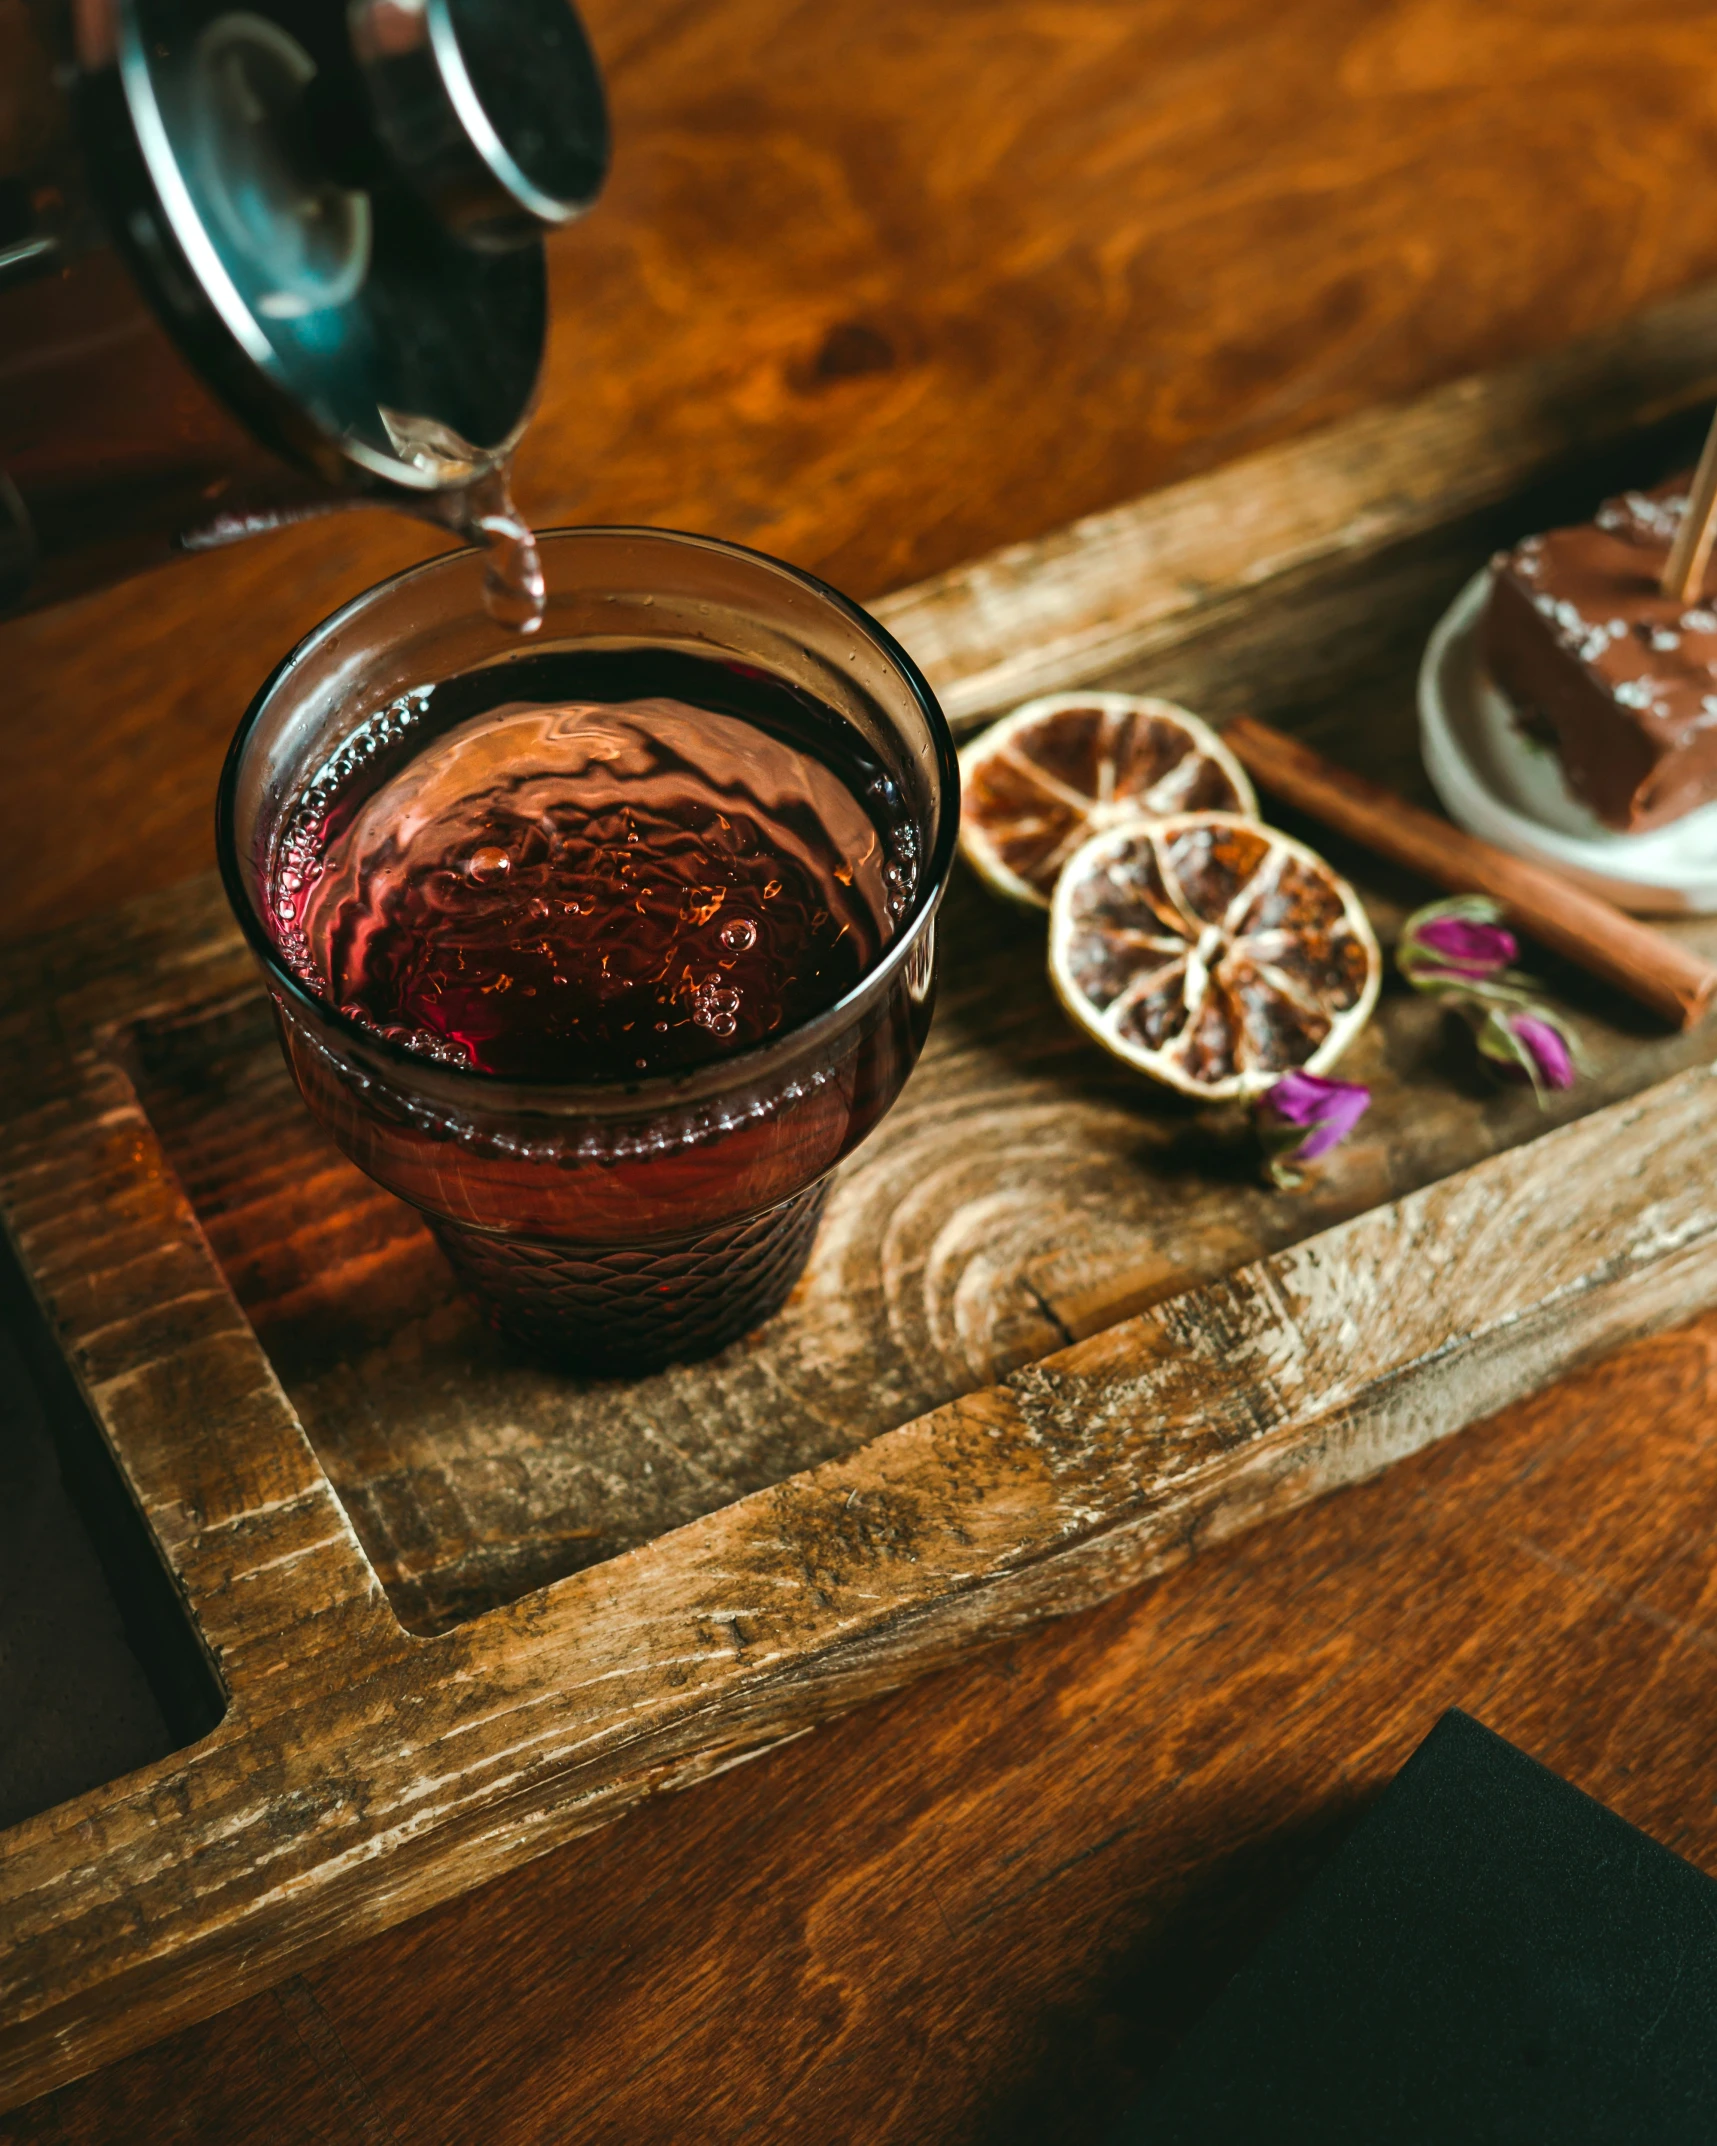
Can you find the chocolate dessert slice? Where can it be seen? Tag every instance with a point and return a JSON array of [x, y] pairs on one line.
[[1621, 679]]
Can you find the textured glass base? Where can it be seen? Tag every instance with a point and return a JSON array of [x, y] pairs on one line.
[[614, 1308]]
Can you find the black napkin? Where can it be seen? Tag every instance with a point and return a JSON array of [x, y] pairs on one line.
[[1491, 1956]]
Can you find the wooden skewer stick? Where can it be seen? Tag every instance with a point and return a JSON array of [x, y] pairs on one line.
[[1671, 979], [1690, 554]]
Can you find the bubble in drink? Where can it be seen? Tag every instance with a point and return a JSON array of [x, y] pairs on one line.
[[489, 864], [715, 1006], [739, 936]]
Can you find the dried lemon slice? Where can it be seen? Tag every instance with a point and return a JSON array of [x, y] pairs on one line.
[[1036, 784], [1211, 952]]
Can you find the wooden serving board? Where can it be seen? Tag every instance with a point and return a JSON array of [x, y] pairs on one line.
[[452, 1608]]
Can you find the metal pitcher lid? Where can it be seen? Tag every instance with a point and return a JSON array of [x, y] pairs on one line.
[[340, 211]]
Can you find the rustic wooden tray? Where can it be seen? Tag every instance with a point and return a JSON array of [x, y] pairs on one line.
[[453, 1608]]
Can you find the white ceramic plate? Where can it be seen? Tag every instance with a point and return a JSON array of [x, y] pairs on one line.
[[1499, 784]]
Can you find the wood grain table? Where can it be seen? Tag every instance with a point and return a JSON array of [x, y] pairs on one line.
[[879, 288]]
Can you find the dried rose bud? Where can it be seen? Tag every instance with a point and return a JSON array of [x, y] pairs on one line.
[[1456, 942], [1530, 1040], [1460, 954], [1303, 1116]]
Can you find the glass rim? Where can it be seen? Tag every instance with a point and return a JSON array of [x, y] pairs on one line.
[[689, 1084]]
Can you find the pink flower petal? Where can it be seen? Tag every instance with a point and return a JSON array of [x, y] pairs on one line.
[[1327, 1109], [1548, 1051], [1473, 948]]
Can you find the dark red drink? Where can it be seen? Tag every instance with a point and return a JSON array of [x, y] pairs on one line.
[[602, 954], [574, 888]]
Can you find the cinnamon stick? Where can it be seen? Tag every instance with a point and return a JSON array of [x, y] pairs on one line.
[[1670, 979], [1690, 554]]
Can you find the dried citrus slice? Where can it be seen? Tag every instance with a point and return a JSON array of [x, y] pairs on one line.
[[1212, 952], [1036, 784]]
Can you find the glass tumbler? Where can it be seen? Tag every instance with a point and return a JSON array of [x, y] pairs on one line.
[[614, 1225]]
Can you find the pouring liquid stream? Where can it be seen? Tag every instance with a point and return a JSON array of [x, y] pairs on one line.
[[483, 513]]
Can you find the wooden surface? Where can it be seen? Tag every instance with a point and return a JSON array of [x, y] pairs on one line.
[[328, 1448], [880, 287], [999, 290], [1027, 1191], [983, 1910], [1169, 589], [1024, 1193]]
